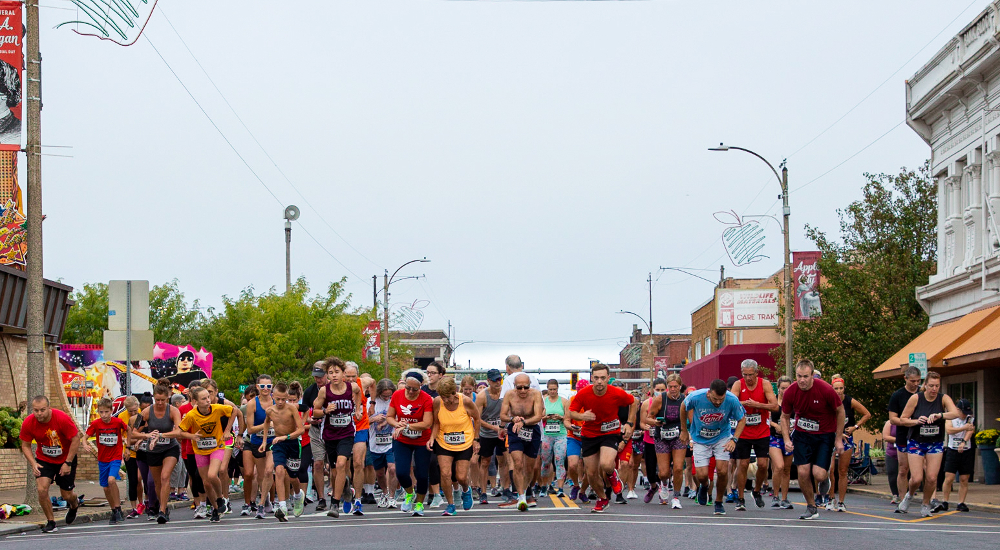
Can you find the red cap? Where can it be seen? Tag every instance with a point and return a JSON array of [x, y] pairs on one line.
[[580, 384]]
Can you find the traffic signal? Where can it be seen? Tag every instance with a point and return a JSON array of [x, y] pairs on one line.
[[573, 378]]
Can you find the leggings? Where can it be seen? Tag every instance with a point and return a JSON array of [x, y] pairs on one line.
[[434, 472], [419, 457], [152, 501], [554, 447], [132, 473], [197, 487], [649, 455], [891, 471]]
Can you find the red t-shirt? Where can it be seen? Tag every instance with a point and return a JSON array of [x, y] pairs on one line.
[[411, 412], [604, 407], [815, 410], [53, 437], [306, 418], [110, 438], [186, 448]]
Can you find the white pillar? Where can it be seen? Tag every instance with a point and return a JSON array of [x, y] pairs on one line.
[[972, 214], [954, 230]]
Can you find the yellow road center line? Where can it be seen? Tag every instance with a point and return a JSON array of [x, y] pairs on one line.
[[570, 503], [558, 503]]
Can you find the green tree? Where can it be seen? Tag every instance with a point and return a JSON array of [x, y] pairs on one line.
[[888, 246], [170, 317]]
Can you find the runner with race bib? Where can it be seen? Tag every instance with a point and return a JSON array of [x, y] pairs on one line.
[[456, 422], [411, 414], [710, 412], [522, 409]]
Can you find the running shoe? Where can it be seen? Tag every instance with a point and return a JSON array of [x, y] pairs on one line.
[[741, 505], [245, 510], [720, 510], [347, 504], [229, 507], [407, 506], [812, 512], [895, 499], [904, 505], [785, 505], [49, 527], [925, 511], [467, 499], [532, 503], [600, 506], [732, 497], [509, 503], [620, 499], [215, 516], [357, 508], [133, 514], [390, 502], [161, 518], [675, 503], [334, 511], [938, 506], [268, 507], [962, 507], [259, 514], [71, 514], [321, 505], [279, 514], [664, 494], [616, 482], [631, 495], [522, 504], [758, 500], [201, 512], [650, 493], [298, 504], [560, 493], [831, 505], [141, 507], [583, 497], [574, 492], [841, 507], [436, 501], [114, 518], [484, 498], [702, 495], [449, 511], [775, 502], [418, 509]]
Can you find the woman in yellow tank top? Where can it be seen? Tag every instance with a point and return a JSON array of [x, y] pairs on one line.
[[453, 440]]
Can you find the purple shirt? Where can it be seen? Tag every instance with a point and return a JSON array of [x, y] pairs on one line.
[[340, 423]]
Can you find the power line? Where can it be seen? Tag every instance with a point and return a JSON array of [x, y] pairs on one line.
[[303, 228], [841, 163]]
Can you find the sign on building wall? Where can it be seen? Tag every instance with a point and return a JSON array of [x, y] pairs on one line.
[[805, 281], [746, 308]]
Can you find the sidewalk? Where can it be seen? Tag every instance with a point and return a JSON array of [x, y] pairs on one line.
[[980, 497]]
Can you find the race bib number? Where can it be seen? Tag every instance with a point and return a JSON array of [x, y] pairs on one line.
[[928, 431], [577, 430], [552, 426], [494, 422], [753, 419], [412, 434], [383, 439], [293, 464], [808, 425], [612, 426], [108, 440], [270, 432], [339, 421], [143, 445], [636, 435], [454, 438], [525, 434], [709, 433], [206, 443], [733, 424], [669, 434], [51, 451]]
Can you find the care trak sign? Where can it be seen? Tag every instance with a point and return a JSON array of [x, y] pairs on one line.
[[746, 308]]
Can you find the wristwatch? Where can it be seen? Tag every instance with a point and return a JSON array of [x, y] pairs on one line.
[[630, 424]]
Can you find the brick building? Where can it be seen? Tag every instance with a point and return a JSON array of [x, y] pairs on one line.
[[667, 352]]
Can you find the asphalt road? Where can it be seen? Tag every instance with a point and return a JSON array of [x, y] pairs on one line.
[[869, 523]]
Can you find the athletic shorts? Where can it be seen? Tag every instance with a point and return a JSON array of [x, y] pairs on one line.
[[380, 461], [573, 447], [901, 447], [456, 455], [815, 449], [255, 449], [491, 446], [638, 446], [703, 454], [339, 447], [361, 436], [529, 448], [849, 443], [287, 451], [960, 463], [109, 469], [779, 443], [592, 445], [667, 446], [744, 446], [317, 445], [51, 471], [202, 461], [626, 453], [923, 449], [155, 460]]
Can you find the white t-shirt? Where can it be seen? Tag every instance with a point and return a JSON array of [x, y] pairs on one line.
[[508, 383], [955, 438]]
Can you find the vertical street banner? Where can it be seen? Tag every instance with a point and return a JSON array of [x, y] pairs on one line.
[[11, 65], [372, 350], [805, 281]]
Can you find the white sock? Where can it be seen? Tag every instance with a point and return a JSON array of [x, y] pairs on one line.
[[370, 488]]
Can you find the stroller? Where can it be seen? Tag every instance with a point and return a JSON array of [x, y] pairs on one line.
[[862, 467]]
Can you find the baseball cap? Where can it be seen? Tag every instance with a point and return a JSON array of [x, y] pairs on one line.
[[493, 375], [964, 405], [318, 371]]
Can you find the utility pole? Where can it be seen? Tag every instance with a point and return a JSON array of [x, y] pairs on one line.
[[288, 256], [385, 326], [33, 150], [375, 292], [789, 304], [652, 345]]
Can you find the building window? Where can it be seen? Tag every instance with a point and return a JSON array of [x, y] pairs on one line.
[[964, 390], [708, 346], [697, 351]]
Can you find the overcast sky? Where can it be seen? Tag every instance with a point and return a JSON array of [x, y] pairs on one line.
[[546, 156]]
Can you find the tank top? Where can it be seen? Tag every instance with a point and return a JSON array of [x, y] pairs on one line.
[[670, 412], [756, 426], [928, 433], [362, 423], [259, 414], [554, 428], [162, 424], [380, 440], [339, 423], [491, 415], [455, 429], [849, 411], [775, 418]]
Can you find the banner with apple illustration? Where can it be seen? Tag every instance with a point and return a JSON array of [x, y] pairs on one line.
[[805, 281]]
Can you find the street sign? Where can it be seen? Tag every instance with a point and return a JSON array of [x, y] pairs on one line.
[[243, 387], [128, 299], [116, 346], [919, 360]]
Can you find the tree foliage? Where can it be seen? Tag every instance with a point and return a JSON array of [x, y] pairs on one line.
[[887, 247], [170, 317]]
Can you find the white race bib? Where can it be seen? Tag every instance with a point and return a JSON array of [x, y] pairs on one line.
[[577, 429], [552, 426], [669, 434], [525, 434], [108, 440], [494, 422], [383, 439], [614, 425], [270, 432], [733, 423], [143, 445], [454, 438], [753, 419], [808, 425], [206, 443], [929, 431], [412, 434], [340, 421], [293, 464], [709, 433], [52, 451]]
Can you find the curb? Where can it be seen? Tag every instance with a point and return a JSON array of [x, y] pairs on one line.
[[991, 508]]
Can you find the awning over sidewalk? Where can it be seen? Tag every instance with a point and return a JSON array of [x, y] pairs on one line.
[[971, 338], [725, 363]]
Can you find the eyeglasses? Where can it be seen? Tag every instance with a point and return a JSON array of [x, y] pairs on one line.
[[264, 386], [528, 387]]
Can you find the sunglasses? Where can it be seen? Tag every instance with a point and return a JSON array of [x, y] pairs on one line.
[[264, 386], [528, 387]]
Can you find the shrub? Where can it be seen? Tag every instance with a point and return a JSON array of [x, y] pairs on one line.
[[10, 429], [987, 438]]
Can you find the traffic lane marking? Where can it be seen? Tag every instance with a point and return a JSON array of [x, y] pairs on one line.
[[890, 518]]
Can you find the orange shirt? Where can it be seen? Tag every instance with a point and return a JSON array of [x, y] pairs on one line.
[[362, 423]]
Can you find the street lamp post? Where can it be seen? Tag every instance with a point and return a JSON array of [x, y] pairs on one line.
[[786, 211], [385, 313], [455, 349], [652, 348]]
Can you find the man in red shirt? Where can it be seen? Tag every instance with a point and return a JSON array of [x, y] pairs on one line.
[[597, 406], [758, 400], [819, 427], [54, 460]]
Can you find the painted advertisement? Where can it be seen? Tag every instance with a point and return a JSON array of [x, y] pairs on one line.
[[746, 308], [11, 65], [805, 281], [372, 350]]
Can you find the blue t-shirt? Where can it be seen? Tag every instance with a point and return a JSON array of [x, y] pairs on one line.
[[711, 423]]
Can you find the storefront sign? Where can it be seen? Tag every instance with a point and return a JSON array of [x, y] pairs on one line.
[[746, 308]]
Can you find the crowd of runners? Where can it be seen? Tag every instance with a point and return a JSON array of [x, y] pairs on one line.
[[429, 441]]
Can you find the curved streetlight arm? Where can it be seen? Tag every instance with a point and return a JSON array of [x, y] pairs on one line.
[[403, 279], [714, 283], [454, 349], [722, 147], [640, 318], [422, 260]]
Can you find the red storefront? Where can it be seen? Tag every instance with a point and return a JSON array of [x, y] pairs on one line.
[[726, 362]]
